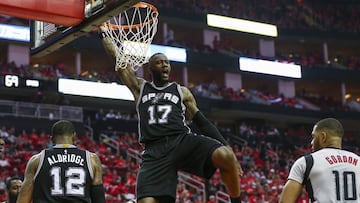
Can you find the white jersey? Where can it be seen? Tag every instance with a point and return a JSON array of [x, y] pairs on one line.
[[334, 177]]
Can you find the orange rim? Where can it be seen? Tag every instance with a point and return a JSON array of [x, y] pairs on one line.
[[128, 27]]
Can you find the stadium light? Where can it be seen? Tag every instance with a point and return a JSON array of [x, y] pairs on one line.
[[94, 89], [242, 25], [15, 32], [270, 67], [173, 53]]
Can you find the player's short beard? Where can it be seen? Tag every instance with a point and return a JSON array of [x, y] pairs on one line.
[[158, 78], [12, 197], [316, 145]]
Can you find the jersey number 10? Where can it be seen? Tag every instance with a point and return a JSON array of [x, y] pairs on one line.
[[348, 183]]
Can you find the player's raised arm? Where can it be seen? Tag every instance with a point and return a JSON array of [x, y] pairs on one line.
[[26, 190], [126, 74], [128, 77], [97, 190]]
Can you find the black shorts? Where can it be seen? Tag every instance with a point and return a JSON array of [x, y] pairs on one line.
[[161, 161]]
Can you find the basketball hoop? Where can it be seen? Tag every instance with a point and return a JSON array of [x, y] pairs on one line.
[[132, 32]]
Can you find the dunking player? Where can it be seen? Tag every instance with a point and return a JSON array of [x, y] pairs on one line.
[[169, 144], [329, 173], [63, 173]]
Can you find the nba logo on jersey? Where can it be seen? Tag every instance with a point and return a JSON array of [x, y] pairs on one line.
[[157, 98]]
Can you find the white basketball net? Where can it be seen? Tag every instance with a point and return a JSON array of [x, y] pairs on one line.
[[132, 32]]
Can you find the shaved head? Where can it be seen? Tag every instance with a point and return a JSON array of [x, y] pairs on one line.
[[62, 128], [151, 59], [331, 125]]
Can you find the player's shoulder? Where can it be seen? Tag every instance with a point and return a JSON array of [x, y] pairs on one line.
[[35, 160], [347, 153], [186, 92], [330, 151], [300, 163], [92, 155], [301, 160], [184, 89], [37, 156], [94, 159]]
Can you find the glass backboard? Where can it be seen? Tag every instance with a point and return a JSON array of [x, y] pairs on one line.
[[47, 37]]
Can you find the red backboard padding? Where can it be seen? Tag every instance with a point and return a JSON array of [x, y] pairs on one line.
[[62, 12]]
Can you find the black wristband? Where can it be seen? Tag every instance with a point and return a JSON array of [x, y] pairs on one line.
[[97, 193], [235, 200]]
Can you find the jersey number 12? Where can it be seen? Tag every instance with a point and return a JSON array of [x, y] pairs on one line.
[[74, 181]]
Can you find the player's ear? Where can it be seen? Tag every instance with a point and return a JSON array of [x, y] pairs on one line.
[[323, 137], [52, 139]]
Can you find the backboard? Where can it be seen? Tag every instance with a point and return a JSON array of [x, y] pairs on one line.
[[47, 37]]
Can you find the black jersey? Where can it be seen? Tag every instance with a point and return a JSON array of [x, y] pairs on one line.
[[161, 112], [64, 175]]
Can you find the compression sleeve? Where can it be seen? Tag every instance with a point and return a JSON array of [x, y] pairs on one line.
[[97, 194], [207, 128]]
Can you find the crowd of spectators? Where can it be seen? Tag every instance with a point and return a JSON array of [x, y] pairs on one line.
[[36, 71], [224, 45], [303, 15], [331, 16], [214, 91], [104, 115], [298, 15], [308, 59]]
